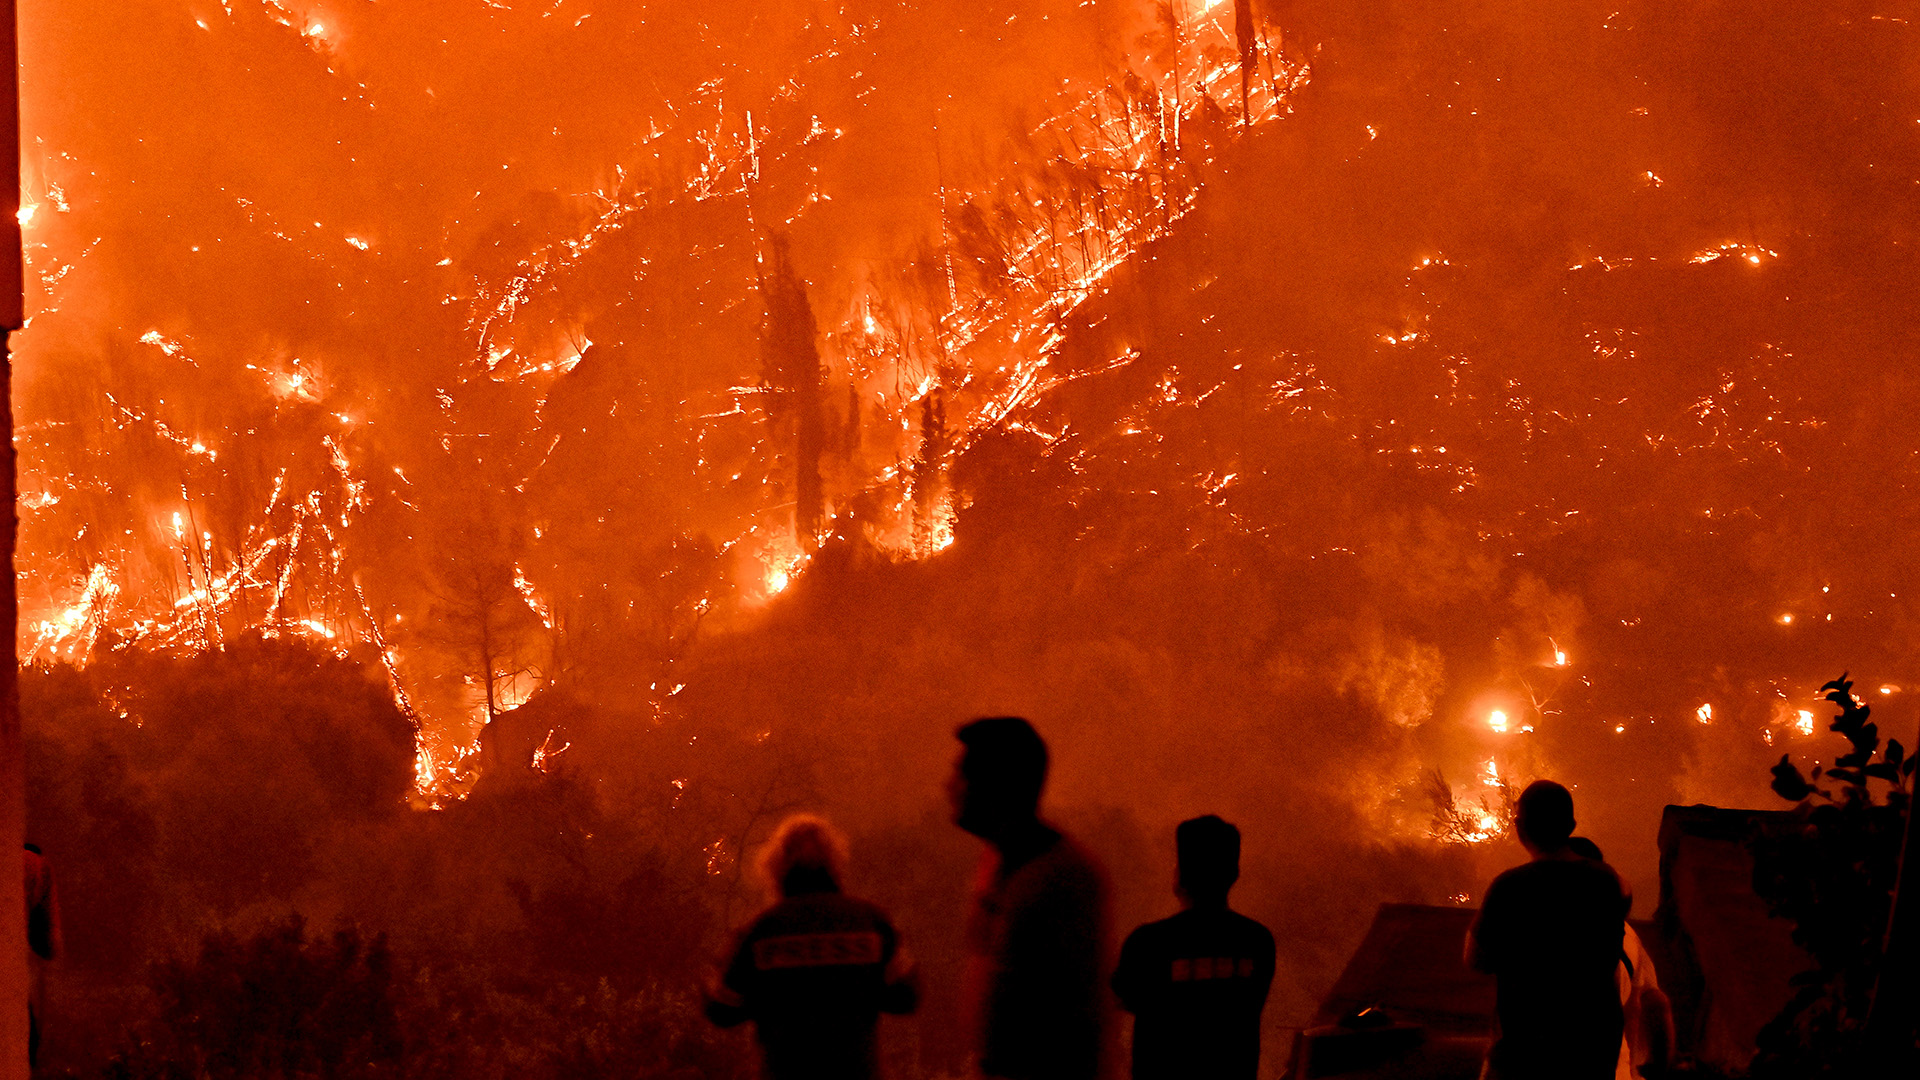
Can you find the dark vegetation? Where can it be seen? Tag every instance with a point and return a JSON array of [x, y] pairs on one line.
[[246, 892]]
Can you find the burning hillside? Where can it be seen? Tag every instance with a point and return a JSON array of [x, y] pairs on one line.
[[1477, 392], [614, 331]]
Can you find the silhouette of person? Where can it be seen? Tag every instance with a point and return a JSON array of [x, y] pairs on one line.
[[1549, 931], [43, 942], [815, 970], [1036, 937], [1196, 983], [1646, 1045]]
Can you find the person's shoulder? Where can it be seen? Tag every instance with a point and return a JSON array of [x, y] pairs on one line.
[[1064, 862], [1150, 935], [859, 907], [1250, 928], [1560, 876], [1526, 871], [1070, 856], [1548, 872], [770, 920], [1513, 877]]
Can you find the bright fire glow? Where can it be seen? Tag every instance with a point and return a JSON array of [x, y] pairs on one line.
[[470, 402]]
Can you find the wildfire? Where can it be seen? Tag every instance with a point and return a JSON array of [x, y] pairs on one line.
[[74, 630]]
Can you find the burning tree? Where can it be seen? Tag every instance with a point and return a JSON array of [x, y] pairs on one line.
[[791, 373], [481, 620]]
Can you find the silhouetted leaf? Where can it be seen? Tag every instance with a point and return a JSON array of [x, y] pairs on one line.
[[1788, 783]]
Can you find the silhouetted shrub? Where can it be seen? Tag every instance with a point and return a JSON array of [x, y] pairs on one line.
[[283, 1005], [273, 1005], [1830, 868]]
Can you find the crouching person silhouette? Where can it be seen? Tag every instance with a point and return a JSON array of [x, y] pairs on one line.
[[814, 971], [1196, 983]]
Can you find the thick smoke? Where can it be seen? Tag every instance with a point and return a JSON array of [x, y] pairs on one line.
[[1548, 361]]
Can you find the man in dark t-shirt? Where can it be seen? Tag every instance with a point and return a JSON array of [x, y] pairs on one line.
[[1037, 933], [1550, 931], [814, 971], [1196, 983]]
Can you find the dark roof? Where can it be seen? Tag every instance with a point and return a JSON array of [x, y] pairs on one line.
[[1410, 963]]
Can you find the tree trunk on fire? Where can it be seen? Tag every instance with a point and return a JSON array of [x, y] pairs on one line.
[[926, 466], [790, 371]]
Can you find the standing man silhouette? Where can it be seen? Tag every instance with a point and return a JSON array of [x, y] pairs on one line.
[[1196, 983], [1036, 938], [1549, 932]]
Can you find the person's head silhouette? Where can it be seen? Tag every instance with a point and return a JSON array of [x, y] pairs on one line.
[[805, 855], [1544, 817], [1209, 850], [995, 787]]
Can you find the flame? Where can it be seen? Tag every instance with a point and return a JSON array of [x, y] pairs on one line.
[[1497, 720], [525, 589], [287, 567], [77, 626], [1704, 713]]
